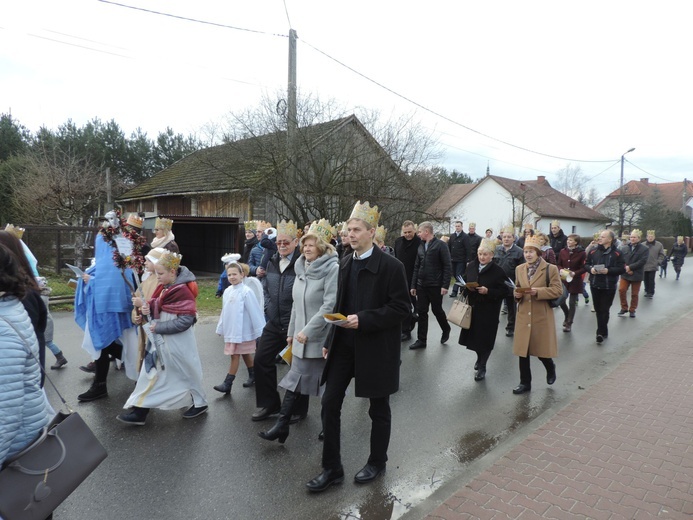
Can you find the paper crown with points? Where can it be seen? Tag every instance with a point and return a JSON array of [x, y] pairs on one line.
[[637, 233], [322, 229], [15, 230], [471, 224], [380, 234], [555, 223], [528, 225], [250, 225], [287, 228], [170, 260], [488, 243], [366, 213], [651, 232], [165, 224], [534, 242], [597, 235], [135, 220], [154, 254], [508, 229]]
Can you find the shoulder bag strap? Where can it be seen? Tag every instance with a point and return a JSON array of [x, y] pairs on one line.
[[62, 399]]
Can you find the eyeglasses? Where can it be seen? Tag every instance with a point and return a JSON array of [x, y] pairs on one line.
[[283, 242]]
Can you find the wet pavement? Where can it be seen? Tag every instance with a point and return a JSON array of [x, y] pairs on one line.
[[447, 428]]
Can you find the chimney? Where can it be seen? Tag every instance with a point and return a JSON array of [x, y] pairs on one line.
[[541, 179], [645, 181]]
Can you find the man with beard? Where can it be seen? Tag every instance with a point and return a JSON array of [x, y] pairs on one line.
[[406, 248], [655, 257]]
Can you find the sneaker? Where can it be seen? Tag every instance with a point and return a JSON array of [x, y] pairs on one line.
[[600, 338], [632, 314], [587, 301], [622, 313], [194, 411], [136, 417]]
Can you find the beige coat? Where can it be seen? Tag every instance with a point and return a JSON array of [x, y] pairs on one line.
[[535, 329]]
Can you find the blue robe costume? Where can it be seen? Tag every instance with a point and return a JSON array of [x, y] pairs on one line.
[[104, 305]]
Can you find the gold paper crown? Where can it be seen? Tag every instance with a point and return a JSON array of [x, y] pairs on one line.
[[380, 233], [508, 229], [528, 225], [555, 223], [154, 254], [135, 220], [637, 233], [250, 225], [488, 244], [597, 235], [165, 224], [322, 229], [262, 225], [534, 242], [471, 224], [366, 213], [287, 228], [342, 227], [16, 231], [651, 232], [170, 260]]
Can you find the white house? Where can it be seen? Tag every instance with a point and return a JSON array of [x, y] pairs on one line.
[[496, 202]]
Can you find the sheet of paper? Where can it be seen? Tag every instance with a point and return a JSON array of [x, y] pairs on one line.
[[124, 245], [78, 272]]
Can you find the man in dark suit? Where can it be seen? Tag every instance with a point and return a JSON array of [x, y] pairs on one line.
[[406, 248], [459, 246], [373, 296]]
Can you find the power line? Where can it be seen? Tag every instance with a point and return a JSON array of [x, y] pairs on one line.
[[648, 173], [286, 10]]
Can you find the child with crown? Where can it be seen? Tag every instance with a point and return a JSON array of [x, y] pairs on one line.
[[171, 374]]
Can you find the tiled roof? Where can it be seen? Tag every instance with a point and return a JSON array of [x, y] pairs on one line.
[[208, 170], [671, 192], [539, 196]]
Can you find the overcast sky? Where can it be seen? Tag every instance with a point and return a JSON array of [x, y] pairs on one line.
[[526, 87]]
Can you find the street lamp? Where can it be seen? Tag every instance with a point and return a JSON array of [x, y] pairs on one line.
[[621, 215]]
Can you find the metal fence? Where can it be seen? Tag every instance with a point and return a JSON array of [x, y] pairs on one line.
[[54, 246]]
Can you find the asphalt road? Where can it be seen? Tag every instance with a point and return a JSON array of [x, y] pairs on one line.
[[446, 427]]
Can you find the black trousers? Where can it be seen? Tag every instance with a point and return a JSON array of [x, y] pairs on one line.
[[512, 311], [425, 297], [650, 282], [409, 322], [272, 341], [104, 362], [457, 270], [569, 311], [339, 377], [526, 372], [602, 300]]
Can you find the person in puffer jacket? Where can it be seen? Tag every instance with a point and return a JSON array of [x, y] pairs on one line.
[[23, 405]]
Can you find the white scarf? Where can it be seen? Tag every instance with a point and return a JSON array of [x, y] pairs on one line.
[[161, 242]]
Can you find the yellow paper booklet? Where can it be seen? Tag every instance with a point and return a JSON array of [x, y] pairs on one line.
[[335, 317]]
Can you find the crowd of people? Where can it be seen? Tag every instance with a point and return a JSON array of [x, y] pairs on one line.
[[338, 299]]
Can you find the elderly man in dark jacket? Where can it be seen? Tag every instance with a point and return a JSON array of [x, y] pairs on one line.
[[509, 255], [372, 294], [279, 282], [406, 249], [605, 264], [429, 283], [635, 257], [459, 246]]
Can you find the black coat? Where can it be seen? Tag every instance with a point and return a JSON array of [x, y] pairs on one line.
[[383, 303], [278, 289], [433, 267], [459, 247], [481, 336], [405, 252], [474, 243], [249, 244], [558, 242]]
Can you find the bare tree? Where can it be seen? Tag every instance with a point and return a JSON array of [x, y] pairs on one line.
[[572, 182]]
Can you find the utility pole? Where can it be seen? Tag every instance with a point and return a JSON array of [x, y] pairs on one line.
[[621, 209], [109, 200]]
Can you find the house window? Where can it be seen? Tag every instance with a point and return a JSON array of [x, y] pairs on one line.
[[574, 229]]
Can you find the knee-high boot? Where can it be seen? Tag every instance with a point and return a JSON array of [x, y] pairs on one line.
[[280, 430]]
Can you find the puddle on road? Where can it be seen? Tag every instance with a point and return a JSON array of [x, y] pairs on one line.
[[388, 504]]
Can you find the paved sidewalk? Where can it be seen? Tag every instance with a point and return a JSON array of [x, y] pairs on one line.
[[623, 450]]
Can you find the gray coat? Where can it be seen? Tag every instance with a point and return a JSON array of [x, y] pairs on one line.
[[635, 258], [315, 294], [656, 255]]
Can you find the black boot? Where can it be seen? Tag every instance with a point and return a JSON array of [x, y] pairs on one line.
[[96, 391], [60, 361], [251, 378], [225, 387], [280, 430]]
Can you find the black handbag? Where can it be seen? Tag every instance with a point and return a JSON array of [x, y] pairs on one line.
[[557, 302], [35, 481]]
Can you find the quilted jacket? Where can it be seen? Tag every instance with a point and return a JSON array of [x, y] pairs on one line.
[[23, 405]]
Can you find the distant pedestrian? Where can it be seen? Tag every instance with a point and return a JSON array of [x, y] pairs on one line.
[[605, 264], [406, 250], [547, 252], [557, 238], [663, 265], [654, 259], [535, 327], [571, 265], [460, 253], [474, 242], [509, 256], [430, 282], [678, 255], [635, 257], [163, 235]]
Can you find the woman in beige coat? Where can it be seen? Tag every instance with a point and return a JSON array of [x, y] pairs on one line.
[[535, 329]]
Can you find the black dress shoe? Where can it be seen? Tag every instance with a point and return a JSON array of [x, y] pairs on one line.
[[417, 344], [445, 336], [405, 336], [521, 389], [551, 374], [265, 413], [327, 478], [480, 375], [368, 473]]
